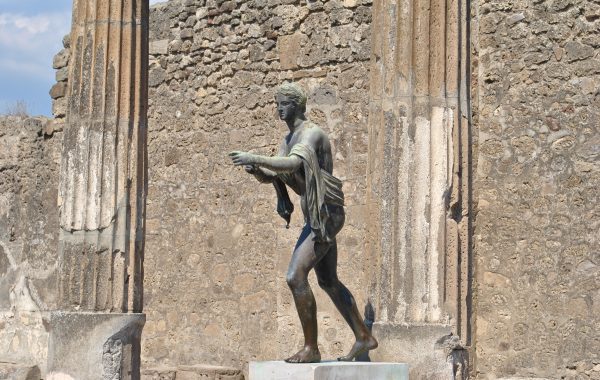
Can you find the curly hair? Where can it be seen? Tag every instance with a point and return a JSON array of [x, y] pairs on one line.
[[293, 91]]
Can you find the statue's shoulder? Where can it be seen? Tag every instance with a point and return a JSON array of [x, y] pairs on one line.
[[313, 129]]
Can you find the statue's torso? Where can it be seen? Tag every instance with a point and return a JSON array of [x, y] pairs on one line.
[[322, 147]]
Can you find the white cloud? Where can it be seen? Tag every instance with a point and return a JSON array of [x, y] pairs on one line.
[[152, 2], [28, 43], [32, 25]]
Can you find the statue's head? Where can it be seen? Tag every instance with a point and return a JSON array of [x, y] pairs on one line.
[[291, 101]]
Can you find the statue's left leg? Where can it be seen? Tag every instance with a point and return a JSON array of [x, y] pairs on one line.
[[305, 256]]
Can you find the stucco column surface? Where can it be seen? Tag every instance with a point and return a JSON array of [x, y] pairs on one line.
[[103, 170], [102, 195], [418, 175]]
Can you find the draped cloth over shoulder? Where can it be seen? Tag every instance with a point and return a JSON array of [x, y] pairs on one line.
[[322, 189]]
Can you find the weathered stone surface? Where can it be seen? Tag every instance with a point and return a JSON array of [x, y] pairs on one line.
[[10, 371], [537, 180], [52, 126], [418, 175], [61, 59], [94, 345], [28, 176], [24, 339], [195, 372], [59, 107], [159, 47], [102, 192], [208, 372], [28, 216], [159, 373], [432, 351], [58, 90], [103, 169], [290, 49], [62, 74], [328, 371]]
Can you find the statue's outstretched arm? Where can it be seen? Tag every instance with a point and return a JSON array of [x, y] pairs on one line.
[[277, 164], [280, 164]]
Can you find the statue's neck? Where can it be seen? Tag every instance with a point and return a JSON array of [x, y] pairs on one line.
[[295, 125]]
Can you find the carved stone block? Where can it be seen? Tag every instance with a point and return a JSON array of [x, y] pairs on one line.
[[9, 371], [94, 345]]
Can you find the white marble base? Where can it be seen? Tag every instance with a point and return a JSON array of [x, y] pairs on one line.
[[278, 370]]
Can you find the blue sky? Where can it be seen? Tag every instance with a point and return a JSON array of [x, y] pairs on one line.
[[31, 33]]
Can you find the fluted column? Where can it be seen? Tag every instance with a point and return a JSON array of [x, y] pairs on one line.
[[96, 330], [419, 154], [103, 178]]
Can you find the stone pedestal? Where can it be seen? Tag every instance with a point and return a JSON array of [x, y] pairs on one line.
[[278, 370], [94, 346]]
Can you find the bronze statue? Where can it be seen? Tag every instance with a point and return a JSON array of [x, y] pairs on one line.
[[305, 164]]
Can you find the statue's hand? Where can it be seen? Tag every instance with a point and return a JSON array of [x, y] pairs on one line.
[[242, 158], [251, 169]]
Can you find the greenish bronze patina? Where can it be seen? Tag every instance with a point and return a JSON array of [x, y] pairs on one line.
[[305, 164]]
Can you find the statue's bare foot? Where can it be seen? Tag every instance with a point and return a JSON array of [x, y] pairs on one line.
[[305, 355], [360, 347]]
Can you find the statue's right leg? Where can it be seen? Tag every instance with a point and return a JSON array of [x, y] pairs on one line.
[[326, 271], [303, 260]]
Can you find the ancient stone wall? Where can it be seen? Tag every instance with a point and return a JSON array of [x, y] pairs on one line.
[[537, 180], [216, 251], [29, 159], [58, 92]]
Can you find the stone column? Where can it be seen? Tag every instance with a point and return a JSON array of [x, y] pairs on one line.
[[103, 179], [103, 169], [418, 177]]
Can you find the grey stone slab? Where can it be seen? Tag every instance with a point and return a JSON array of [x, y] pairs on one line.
[[208, 372], [163, 373], [9, 371], [94, 345], [278, 370], [159, 47]]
